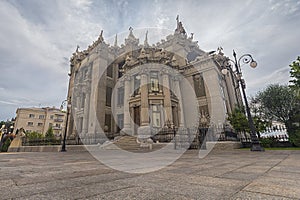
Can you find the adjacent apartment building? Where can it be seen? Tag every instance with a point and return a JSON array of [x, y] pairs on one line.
[[40, 119]]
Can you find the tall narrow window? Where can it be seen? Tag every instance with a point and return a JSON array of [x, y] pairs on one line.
[[120, 122], [83, 100], [120, 66], [109, 71], [108, 96], [154, 83], [86, 73], [120, 96], [108, 122], [199, 86], [137, 83]]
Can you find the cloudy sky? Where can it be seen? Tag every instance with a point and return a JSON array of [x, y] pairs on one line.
[[38, 37]]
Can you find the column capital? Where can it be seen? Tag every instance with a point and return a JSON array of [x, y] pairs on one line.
[[165, 71], [177, 77], [144, 71], [126, 77]]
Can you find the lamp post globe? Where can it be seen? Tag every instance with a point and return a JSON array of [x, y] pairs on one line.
[[253, 64], [224, 71]]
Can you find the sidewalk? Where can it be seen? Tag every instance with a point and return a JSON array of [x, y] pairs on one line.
[[237, 174]]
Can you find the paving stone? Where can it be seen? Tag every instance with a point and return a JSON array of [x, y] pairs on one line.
[[234, 174], [243, 195]]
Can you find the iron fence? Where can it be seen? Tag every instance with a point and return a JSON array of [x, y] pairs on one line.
[[40, 141]]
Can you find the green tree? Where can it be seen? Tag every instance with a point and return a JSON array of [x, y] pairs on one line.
[[279, 102], [49, 134], [238, 120], [260, 124], [294, 122], [295, 75]]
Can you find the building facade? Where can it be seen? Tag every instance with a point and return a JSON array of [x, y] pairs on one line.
[[40, 120], [136, 88]]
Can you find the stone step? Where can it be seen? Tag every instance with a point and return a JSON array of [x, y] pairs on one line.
[[129, 143]]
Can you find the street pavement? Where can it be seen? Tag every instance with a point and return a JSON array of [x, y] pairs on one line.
[[235, 174]]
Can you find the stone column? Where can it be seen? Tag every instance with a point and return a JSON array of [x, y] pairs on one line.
[[178, 94], [144, 100], [215, 97], [167, 99], [127, 127], [144, 131]]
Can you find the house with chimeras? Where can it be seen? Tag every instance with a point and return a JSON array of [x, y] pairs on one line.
[[138, 88]]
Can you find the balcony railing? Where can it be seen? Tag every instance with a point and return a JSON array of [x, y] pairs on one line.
[[56, 128]]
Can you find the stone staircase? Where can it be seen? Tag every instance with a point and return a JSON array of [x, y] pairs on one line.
[[129, 143]]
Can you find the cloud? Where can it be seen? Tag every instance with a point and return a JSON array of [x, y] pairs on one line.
[[278, 76], [38, 37]]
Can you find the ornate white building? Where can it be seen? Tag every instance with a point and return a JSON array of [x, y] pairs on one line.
[[136, 88]]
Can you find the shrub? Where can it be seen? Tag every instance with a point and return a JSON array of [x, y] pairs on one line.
[[295, 138], [268, 142], [6, 145], [34, 135]]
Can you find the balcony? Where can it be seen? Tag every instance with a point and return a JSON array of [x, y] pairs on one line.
[[58, 120], [56, 128]]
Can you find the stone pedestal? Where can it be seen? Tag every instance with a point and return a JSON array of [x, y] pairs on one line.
[[144, 134]]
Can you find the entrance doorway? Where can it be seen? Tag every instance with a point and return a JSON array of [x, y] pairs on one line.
[[136, 118]]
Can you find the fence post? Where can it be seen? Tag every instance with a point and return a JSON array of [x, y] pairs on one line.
[[174, 132]]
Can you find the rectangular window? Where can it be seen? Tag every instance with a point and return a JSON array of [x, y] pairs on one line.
[[30, 124], [107, 123], [199, 86], [51, 116], [154, 82], [57, 125], [156, 118], [40, 124], [121, 96], [108, 96], [50, 125], [31, 115], [109, 71], [41, 116]]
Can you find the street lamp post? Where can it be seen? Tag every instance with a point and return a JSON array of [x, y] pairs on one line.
[[63, 147], [246, 59]]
